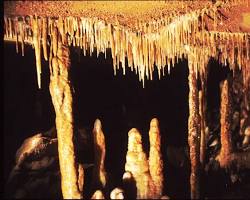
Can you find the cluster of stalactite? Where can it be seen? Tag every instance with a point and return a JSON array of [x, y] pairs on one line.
[[160, 42]]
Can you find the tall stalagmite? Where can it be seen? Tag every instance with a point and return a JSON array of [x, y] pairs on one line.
[[137, 164], [225, 121], [155, 157], [99, 173], [194, 132], [61, 93]]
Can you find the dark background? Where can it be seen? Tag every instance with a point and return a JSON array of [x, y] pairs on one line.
[[118, 101]]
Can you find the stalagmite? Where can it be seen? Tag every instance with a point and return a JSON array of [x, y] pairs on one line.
[[246, 140], [165, 197], [155, 158], [129, 185], [99, 173], [225, 121], [194, 132], [61, 94], [117, 193], [137, 164], [16, 33], [98, 195], [80, 178]]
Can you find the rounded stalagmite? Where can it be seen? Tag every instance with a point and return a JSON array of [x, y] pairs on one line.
[[117, 193], [129, 185], [98, 195], [137, 164]]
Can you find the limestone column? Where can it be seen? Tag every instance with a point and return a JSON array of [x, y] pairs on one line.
[[61, 94], [194, 133]]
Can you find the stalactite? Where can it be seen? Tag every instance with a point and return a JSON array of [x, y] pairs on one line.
[[10, 28], [194, 132], [50, 58], [21, 32], [155, 157], [50, 22], [6, 32], [16, 30], [99, 172], [54, 38], [61, 93], [225, 121], [37, 46], [61, 28], [137, 164], [77, 35], [44, 38]]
